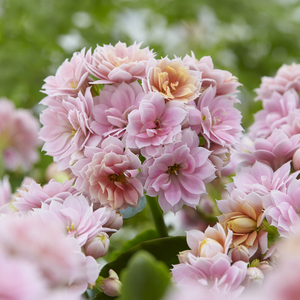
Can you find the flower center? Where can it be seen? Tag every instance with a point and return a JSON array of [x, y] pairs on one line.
[[173, 169], [157, 124], [117, 178]]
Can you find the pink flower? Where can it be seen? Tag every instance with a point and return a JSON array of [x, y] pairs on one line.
[[208, 244], [172, 80], [33, 195], [222, 80], [216, 119], [77, 218], [119, 63], [261, 179], [70, 78], [5, 191], [243, 214], [215, 274], [286, 78], [67, 127], [275, 113], [283, 207], [115, 104], [56, 258], [18, 137], [274, 151], [154, 123], [179, 173], [108, 173]]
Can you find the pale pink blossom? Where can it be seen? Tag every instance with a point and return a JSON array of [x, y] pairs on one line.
[[216, 119], [60, 266], [243, 214], [67, 127], [209, 243], [5, 191], [179, 173], [283, 282], [154, 123], [282, 208], [215, 274], [32, 195], [108, 173], [261, 179], [77, 218], [172, 80], [275, 113], [111, 64], [71, 77], [286, 78], [224, 82], [274, 151], [192, 290], [115, 103], [18, 137]]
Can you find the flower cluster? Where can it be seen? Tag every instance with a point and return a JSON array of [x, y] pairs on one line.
[[98, 133], [18, 137], [275, 134], [123, 124]]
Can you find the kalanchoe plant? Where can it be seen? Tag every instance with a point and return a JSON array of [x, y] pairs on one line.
[[163, 132]]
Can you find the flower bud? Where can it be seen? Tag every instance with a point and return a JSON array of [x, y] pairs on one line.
[[296, 160], [98, 246], [239, 253], [254, 277], [115, 221], [265, 267], [242, 225], [110, 286]]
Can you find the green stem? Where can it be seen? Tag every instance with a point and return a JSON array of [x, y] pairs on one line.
[[157, 216], [2, 169]]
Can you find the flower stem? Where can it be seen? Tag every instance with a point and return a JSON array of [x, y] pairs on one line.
[[157, 216], [2, 169]]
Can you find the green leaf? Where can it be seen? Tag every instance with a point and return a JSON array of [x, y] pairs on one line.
[[144, 279], [164, 249], [146, 235]]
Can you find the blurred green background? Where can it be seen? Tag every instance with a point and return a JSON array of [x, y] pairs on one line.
[[251, 39]]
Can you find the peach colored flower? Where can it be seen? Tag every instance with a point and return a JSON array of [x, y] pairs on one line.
[[243, 214], [172, 80]]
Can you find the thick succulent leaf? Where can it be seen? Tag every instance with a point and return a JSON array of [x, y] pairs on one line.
[[164, 249], [149, 234], [144, 278]]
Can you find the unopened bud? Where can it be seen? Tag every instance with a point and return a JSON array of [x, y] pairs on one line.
[[242, 225], [240, 253], [296, 160], [110, 286], [115, 221], [265, 267], [98, 246], [254, 277]]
